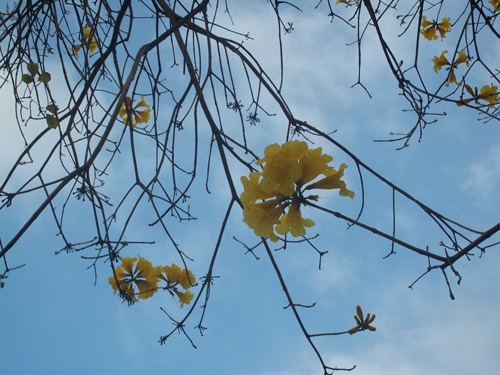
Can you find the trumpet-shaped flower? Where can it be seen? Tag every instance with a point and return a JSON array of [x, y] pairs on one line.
[[313, 164], [184, 297], [138, 116], [487, 93], [333, 181], [293, 222], [174, 274], [281, 184], [88, 42], [281, 169], [252, 191], [429, 28], [143, 276], [441, 61], [261, 217]]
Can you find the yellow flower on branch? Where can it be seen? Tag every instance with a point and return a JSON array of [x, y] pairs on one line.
[[287, 169], [252, 189], [139, 116], [174, 274], [347, 3], [143, 275], [262, 217], [293, 222], [496, 4], [184, 297], [429, 29], [361, 322], [281, 169], [333, 181], [487, 93], [87, 42], [441, 61]]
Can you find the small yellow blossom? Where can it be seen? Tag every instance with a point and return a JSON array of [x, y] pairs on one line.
[[281, 169], [333, 181], [496, 4], [314, 163], [88, 42], [487, 93], [184, 297], [143, 276], [293, 222], [441, 61], [138, 116], [252, 190], [261, 217], [174, 274], [429, 28]]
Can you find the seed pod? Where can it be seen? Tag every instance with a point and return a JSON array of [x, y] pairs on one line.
[[52, 108], [27, 78], [32, 68], [369, 320], [44, 77], [359, 312], [51, 121]]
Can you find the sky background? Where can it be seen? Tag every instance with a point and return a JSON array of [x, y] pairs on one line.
[[54, 320]]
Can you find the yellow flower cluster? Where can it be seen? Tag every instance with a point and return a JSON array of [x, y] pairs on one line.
[[441, 61], [496, 5], [281, 185], [430, 29], [137, 116], [487, 93], [87, 41], [146, 278]]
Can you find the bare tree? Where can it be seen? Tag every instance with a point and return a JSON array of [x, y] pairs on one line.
[[142, 102]]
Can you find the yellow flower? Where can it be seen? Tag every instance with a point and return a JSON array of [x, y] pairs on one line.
[[496, 4], [361, 323], [174, 274], [138, 116], [282, 183], [184, 297], [429, 28], [281, 169], [347, 3], [143, 276], [252, 190], [487, 93], [293, 222], [441, 61], [90, 44], [314, 163], [261, 217], [333, 181]]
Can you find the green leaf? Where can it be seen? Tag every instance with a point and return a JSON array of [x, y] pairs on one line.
[[44, 77], [51, 121], [32, 68]]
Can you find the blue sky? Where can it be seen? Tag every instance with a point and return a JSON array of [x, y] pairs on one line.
[[54, 320]]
